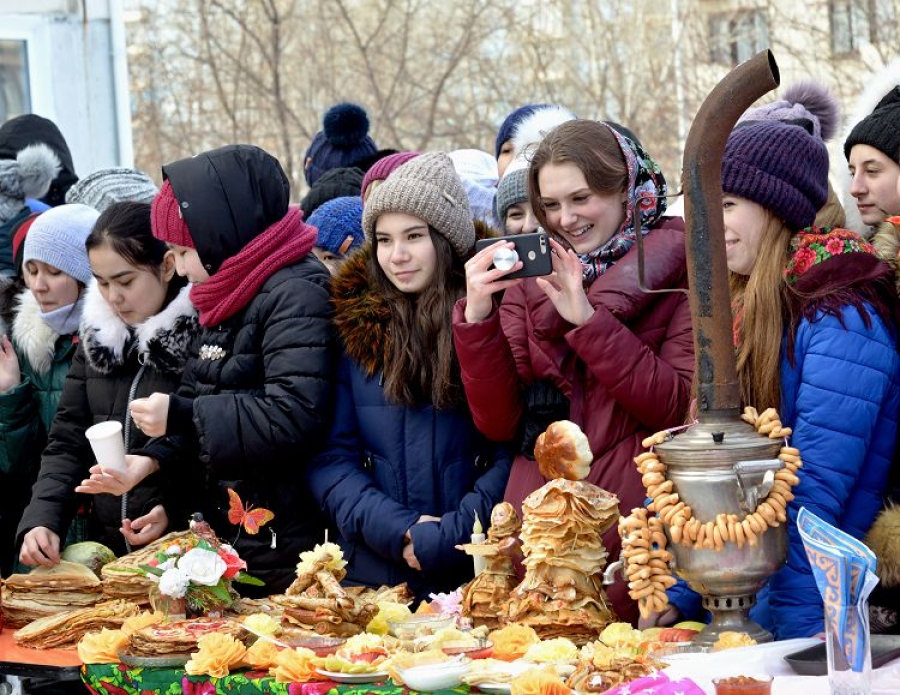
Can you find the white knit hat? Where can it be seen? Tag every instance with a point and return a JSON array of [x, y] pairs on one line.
[[57, 238]]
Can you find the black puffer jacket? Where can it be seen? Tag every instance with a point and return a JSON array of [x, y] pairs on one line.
[[256, 395], [110, 360]]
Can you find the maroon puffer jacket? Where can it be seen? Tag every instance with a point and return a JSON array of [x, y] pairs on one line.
[[627, 371]]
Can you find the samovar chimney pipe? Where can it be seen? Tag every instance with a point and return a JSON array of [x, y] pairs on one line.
[[716, 370]]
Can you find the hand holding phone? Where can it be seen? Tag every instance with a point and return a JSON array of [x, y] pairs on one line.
[[532, 249]]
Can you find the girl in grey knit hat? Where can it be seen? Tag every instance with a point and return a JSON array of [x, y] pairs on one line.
[[426, 473]]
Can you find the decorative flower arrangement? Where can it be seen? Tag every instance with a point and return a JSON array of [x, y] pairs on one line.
[[200, 572]]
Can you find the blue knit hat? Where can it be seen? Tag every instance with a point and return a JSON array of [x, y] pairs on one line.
[[339, 222], [508, 127], [57, 238], [343, 140], [781, 166]]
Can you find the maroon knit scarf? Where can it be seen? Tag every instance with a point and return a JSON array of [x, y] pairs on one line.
[[240, 277]]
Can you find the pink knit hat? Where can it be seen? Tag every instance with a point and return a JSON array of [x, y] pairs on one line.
[[166, 221], [381, 169]]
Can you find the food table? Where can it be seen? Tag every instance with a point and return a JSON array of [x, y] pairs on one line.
[[47, 664], [115, 679]]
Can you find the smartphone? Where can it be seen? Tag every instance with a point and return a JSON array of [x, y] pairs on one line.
[[533, 250]]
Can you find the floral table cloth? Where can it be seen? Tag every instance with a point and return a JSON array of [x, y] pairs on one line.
[[118, 679]]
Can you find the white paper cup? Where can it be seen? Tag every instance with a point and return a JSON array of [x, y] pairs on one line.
[[106, 442]]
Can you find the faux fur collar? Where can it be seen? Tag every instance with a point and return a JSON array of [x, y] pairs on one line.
[[32, 335], [361, 314], [884, 539], [162, 341], [887, 245]]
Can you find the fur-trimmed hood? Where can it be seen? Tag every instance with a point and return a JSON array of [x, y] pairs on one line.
[[884, 540], [32, 335], [361, 315], [887, 245], [163, 341]]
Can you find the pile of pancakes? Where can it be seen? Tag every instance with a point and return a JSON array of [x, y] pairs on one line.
[[561, 595], [180, 637], [67, 628], [121, 578], [46, 591]]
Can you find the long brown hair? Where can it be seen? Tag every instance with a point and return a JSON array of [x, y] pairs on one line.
[[420, 364], [761, 311], [589, 145]]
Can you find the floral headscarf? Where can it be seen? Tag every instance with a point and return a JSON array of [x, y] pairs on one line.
[[814, 245], [832, 269], [646, 193]]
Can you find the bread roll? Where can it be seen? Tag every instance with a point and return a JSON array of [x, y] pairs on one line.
[[563, 451]]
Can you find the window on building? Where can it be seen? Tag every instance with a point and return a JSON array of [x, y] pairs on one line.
[[15, 98], [856, 22], [737, 36]]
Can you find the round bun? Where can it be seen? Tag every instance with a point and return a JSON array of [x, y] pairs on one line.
[[563, 451]]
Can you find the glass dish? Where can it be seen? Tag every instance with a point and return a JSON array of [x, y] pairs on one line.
[[417, 626], [320, 644], [674, 651], [743, 685]]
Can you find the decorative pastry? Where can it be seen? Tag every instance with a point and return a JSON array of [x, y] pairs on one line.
[[563, 451]]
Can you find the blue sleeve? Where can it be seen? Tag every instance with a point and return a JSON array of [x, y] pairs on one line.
[[347, 492], [435, 543], [833, 398], [687, 601]]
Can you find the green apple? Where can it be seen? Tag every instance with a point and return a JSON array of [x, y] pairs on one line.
[[690, 625]]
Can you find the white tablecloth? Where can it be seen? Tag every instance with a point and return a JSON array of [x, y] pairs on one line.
[[769, 659]]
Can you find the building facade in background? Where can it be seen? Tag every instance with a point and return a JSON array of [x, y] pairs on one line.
[[65, 60]]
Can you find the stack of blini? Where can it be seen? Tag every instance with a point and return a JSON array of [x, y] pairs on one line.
[[562, 525], [66, 629], [46, 591], [121, 580]]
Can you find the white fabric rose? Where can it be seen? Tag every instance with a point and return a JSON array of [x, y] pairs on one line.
[[173, 549], [167, 565], [202, 566], [174, 583]]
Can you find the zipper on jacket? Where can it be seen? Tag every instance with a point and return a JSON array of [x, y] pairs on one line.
[[126, 434], [368, 463]]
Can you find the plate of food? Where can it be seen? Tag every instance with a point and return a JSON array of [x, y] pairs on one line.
[[161, 661], [493, 676], [338, 677]]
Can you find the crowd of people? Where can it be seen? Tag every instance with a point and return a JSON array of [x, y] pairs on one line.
[[354, 365]]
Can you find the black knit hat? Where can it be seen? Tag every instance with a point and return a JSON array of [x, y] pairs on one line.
[[880, 129], [334, 183]]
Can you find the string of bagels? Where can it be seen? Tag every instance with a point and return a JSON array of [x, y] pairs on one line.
[[644, 542]]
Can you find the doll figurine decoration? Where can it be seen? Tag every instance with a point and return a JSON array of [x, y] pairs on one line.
[[484, 598]]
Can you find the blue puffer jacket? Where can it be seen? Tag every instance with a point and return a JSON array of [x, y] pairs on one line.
[[842, 399], [385, 465]]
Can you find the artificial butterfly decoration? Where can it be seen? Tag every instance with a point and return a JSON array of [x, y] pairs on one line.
[[251, 519]]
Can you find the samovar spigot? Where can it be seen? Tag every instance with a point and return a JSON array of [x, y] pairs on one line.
[[745, 472]]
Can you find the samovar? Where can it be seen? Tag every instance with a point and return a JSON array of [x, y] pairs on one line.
[[720, 465]]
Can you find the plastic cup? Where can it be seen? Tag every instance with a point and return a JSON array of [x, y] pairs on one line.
[[842, 679], [107, 444]]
